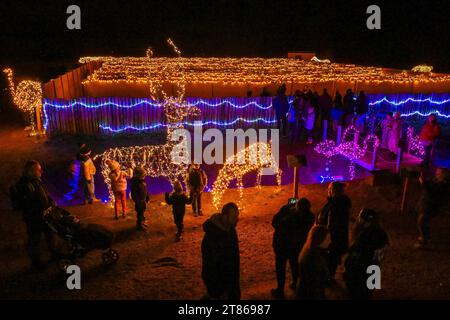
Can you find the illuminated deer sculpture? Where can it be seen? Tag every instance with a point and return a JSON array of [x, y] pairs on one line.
[[157, 160], [255, 157]]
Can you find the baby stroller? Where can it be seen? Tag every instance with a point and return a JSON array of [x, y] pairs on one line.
[[80, 238]]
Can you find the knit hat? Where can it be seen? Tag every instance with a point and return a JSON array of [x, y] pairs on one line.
[[112, 164], [139, 172], [85, 150]]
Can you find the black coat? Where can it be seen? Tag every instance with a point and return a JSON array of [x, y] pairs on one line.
[[281, 105], [291, 229], [335, 216], [179, 202], [362, 253], [139, 192], [434, 196], [313, 275], [220, 261], [349, 104], [34, 199]]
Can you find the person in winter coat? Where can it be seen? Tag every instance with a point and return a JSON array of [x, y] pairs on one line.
[[349, 107], [220, 254], [395, 134], [386, 127], [337, 113], [31, 198], [74, 177], [361, 110], [88, 173], [196, 181], [325, 104], [429, 134], [118, 180], [335, 216], [291, 224], [309, 122], [297, 108], [178, 199], [140, 197], [434, 197], [281, 105], [314, 276], [369, 243]]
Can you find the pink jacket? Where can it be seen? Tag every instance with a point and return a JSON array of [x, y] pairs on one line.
[[118, 180]]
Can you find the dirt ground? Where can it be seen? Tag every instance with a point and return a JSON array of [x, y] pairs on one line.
[[153, 266]]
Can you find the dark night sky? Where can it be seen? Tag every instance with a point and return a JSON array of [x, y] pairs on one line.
[[413, 32]]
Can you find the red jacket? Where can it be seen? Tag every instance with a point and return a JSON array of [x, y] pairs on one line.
[[430, 132]]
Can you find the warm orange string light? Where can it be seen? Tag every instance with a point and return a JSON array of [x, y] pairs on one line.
[[253, 158], [27, 96], [240, 71]]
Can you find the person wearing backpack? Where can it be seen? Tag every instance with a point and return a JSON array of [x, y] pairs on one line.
[[31, 198], [291, 224], [196, 181]]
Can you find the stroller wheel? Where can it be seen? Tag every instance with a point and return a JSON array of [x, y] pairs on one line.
[[63, 264], [110, 257]]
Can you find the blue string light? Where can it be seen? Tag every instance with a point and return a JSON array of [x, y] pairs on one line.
[[215, 123], [430, 100]]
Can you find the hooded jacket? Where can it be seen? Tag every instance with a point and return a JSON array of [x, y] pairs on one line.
[[220, 257], [291, 229]]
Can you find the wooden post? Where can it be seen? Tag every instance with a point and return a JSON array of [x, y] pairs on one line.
[[339, 133], [405, 191], [295, 182], [374, 158], [398, 163], [38, 118], [325, 129]]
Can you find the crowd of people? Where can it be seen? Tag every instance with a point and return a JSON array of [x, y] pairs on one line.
[[305, 115], [308, 110], [314, 245]]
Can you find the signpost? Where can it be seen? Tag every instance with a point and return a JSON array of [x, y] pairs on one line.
[[296, 161]]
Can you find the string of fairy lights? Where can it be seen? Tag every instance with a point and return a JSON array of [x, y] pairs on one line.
[[349, 148], [169, 160], [27, 96], [160, 160], [253, 158], [257, 71]]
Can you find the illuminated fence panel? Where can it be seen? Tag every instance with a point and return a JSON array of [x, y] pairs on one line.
[[411, 105], [94, 116]]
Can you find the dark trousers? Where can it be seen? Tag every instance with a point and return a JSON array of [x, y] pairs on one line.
[[282, 124], [334, 260], [34, 233], [280, 267], [140, 208], [423, 224], [357, 288], [196, 202], [428, 151], [178, 219], [296, 130]]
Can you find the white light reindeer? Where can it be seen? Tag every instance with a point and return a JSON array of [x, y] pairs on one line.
[[157, 160], [255, 157]]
